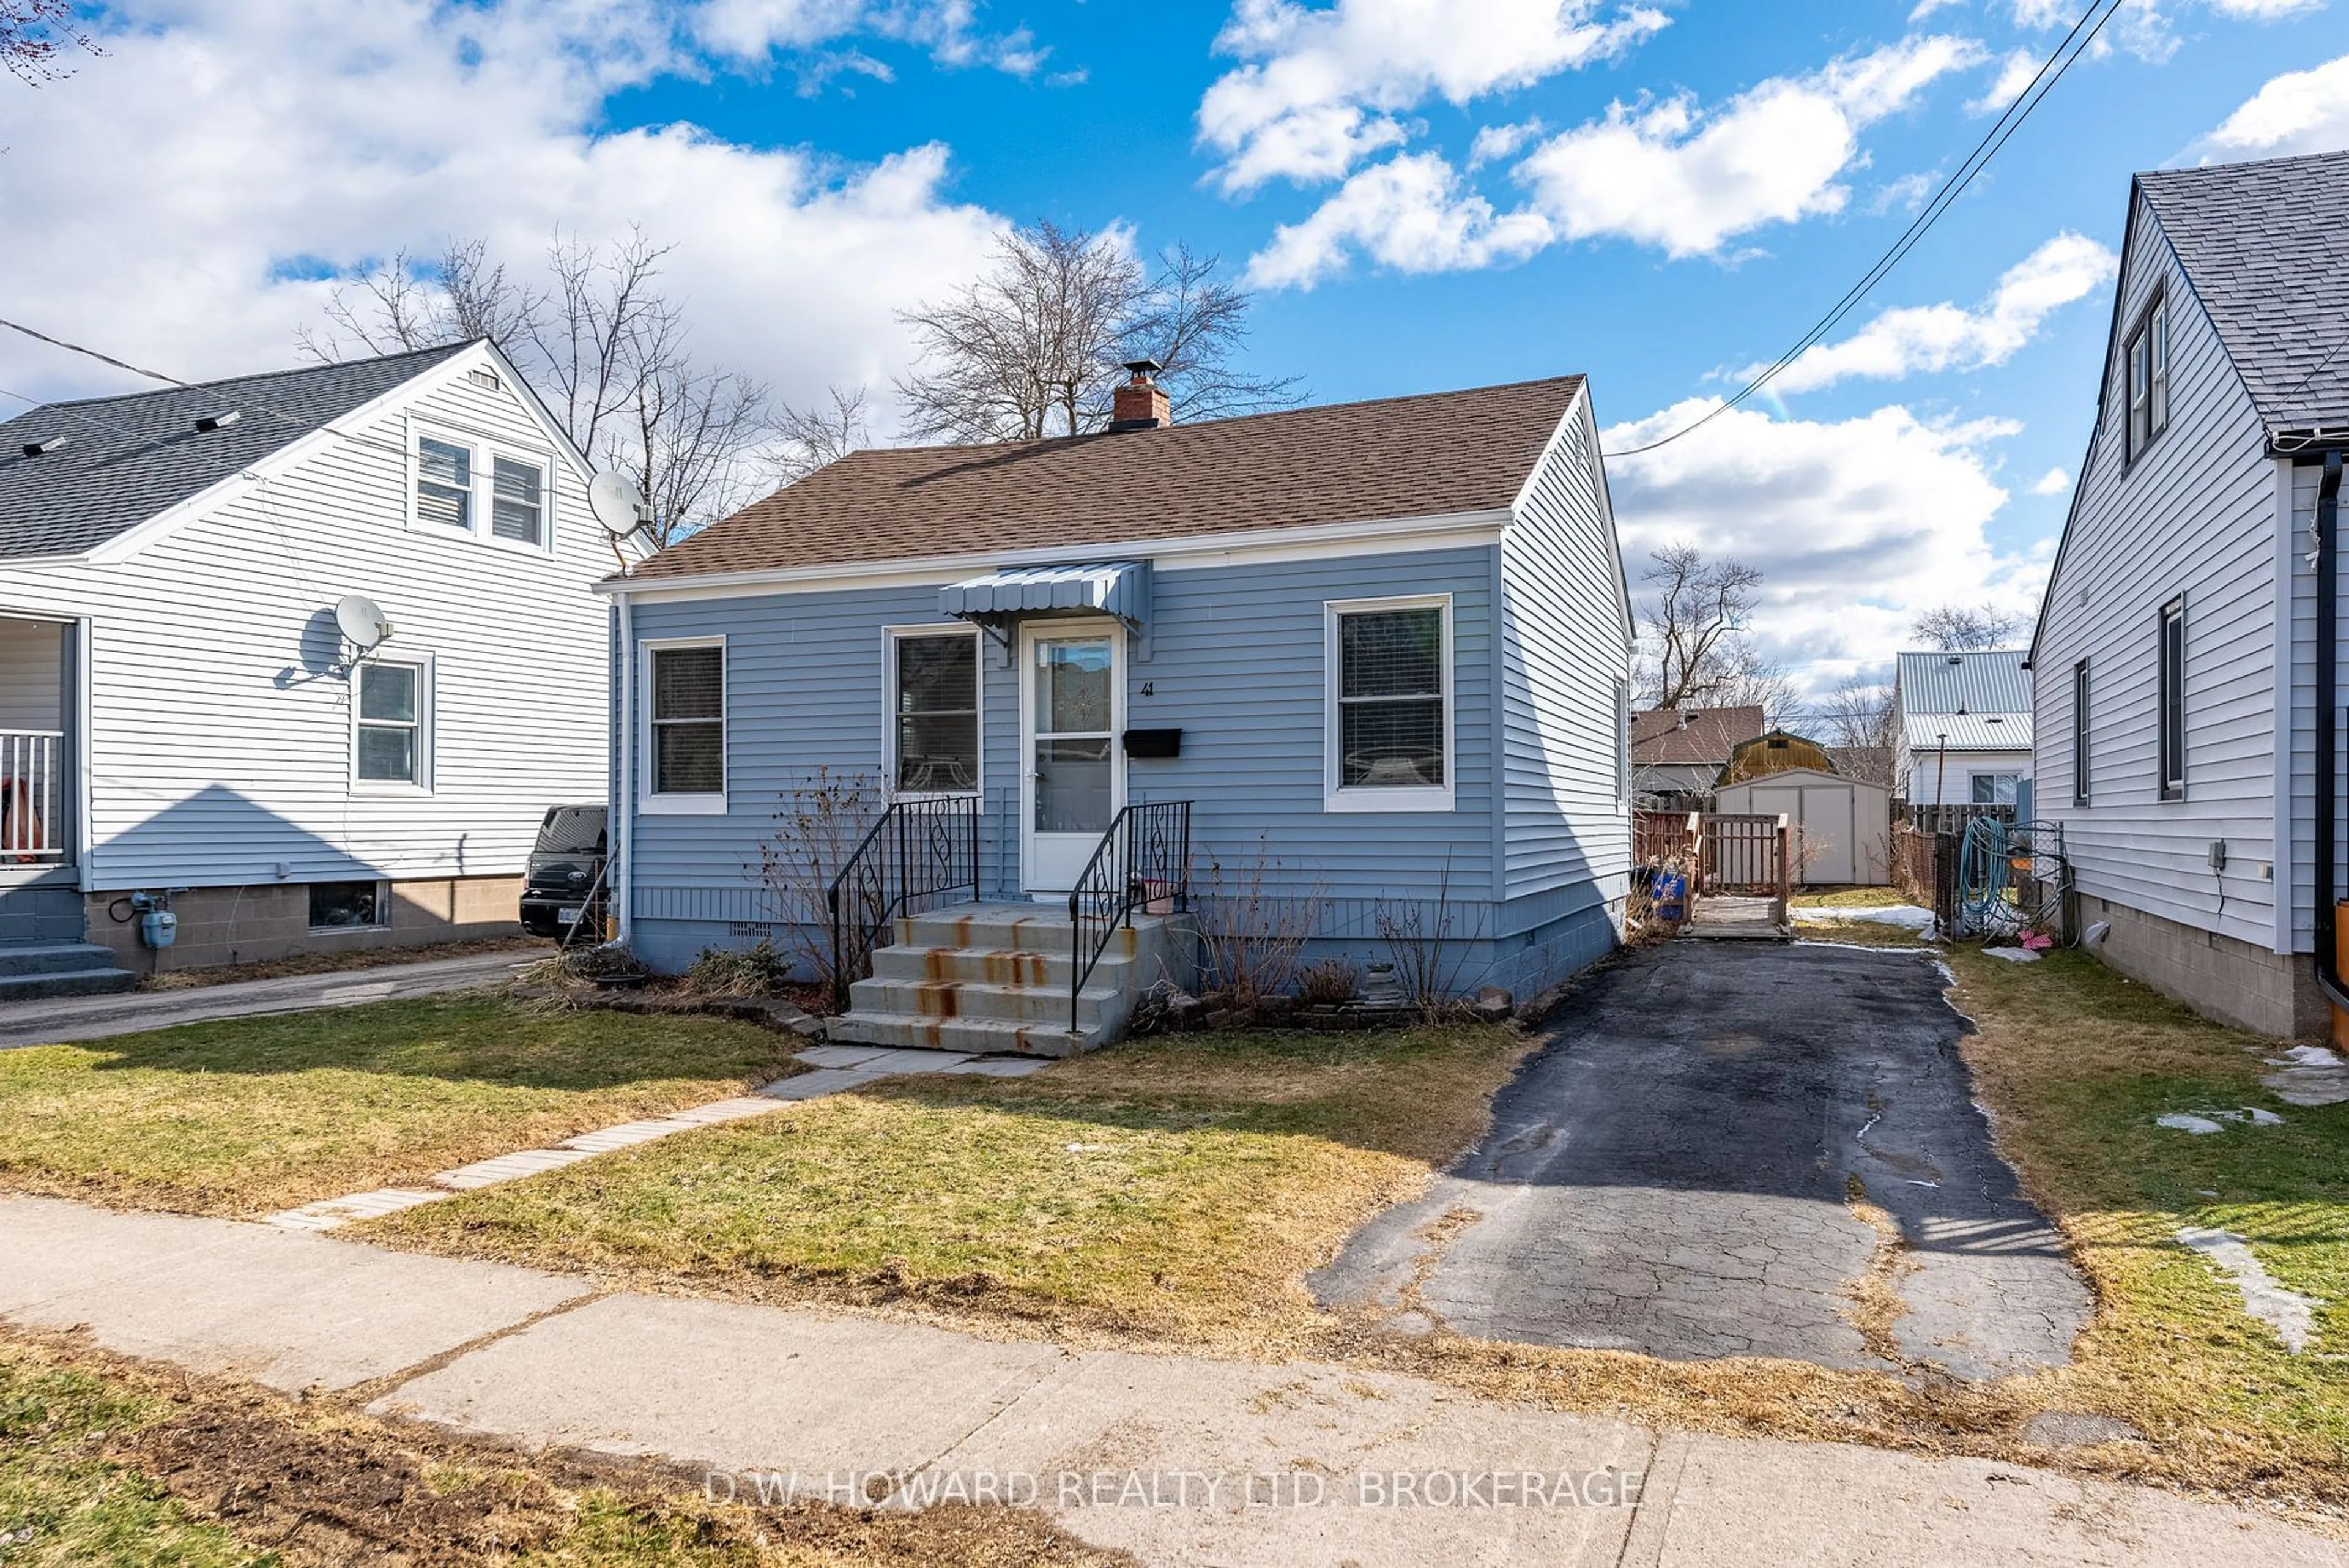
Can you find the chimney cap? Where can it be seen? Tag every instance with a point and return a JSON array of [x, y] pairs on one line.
[[1143, 368]]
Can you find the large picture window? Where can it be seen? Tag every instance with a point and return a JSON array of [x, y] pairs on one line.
[[685, 711], [2172, 654], [391, 717], [1390, 705], [933, 711]]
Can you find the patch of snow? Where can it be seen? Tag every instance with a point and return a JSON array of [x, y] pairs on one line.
[[2179, 1121], [1908, 917], [2310, 1076], [2012, 955], [2260, 1119], [2289, 1314], [2308, 1056]]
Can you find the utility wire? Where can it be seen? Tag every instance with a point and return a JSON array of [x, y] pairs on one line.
[[2051, 72]]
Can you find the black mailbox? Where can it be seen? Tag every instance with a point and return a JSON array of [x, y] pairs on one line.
[[1154, 742]]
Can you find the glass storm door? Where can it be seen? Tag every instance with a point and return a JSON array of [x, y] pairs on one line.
[[1072, 703]]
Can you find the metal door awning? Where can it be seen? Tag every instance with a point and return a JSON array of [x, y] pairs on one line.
[[1120, 588]]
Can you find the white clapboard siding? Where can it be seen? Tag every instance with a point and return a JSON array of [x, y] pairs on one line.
[[2196, 516], [219, 738], [1565, 653]]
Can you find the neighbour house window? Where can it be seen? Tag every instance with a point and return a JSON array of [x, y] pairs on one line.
[[2172, 655], [465, 485], [686, 708], [934, 705], [2147, 367], [1390, 718], [1994, 789], [389, 744], [517, 490], [2080, 733], [347, 905]]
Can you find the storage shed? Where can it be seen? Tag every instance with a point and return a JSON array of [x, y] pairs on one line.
[[1842, 827]]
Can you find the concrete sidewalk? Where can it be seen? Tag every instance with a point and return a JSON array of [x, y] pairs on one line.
[[61, 1020], [1179, 1460]]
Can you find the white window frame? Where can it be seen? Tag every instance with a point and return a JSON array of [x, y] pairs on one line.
[[1976, 775], [890, 635], [422, 663], [485, 449], [1358, 798], [680, 802]]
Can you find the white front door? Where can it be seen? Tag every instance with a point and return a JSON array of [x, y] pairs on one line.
[[1072, 708]]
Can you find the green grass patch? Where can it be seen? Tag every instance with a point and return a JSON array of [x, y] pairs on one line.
[[1179, 1187], [248, 1116], [2079, 1062], [62, 1507]]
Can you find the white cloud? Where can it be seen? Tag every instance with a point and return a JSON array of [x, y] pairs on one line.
[[2016, 72], [1854, 525], [1409, 212], [191, 186], [1321, 83], [1495, 143], [1935, 337], [2299, 112], [1669, 174], [2054, 481], [752, 30]]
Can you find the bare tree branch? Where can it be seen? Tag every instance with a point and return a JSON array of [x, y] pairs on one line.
[[34, 34], [808, 438], [1967, 629], [1695, 651], [1195, 325]]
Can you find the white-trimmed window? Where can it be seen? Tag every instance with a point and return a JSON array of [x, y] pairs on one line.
[[1994, 789], [685, 725], [2170, 651], [2146, 367], [933, 703], [1389, 704], [391, 724], [2080, 733], [486, 489]]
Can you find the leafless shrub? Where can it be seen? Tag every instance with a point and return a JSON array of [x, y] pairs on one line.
[[738, 971], [1252, 927], [1329, 983], [823, 819], [1421, 944]]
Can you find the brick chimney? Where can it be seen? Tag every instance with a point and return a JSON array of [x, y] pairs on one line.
[[1141, 404]]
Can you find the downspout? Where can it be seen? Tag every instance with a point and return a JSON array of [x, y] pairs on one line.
[[2325, 883], [623, 813]]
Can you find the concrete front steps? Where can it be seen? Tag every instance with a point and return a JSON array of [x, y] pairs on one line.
[[33, 972], [993, 979]]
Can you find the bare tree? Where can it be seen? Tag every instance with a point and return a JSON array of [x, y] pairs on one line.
[[1033, 347], [1857, 715], [1966, 628], [604, 347], [34, 33], [808, 438], [1696, 650]]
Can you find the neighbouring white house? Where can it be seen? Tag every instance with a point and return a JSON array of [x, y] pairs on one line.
[[184, 725], [2186, 661], [1963, 723]]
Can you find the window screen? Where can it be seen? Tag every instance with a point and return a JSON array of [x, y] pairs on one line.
[[1390, 698], [688, 715], [937, 713], [517, 505], [444, 484]]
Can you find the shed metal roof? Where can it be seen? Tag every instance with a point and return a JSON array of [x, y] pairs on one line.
[[1990, 681], [1969, 732], [125, 459]]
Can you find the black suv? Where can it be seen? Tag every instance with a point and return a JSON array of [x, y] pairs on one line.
[[566, 865]]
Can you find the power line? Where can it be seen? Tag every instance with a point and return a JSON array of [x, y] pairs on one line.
[[2051, 72]]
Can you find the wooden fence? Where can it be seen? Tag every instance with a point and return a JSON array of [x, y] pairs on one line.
[[1932, 819], [1660, 835], [1744, 855]]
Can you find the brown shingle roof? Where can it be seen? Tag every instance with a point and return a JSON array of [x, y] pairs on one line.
[[1658, 739], [1343, 462]]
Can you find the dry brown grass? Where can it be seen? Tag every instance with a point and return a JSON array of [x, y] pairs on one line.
[[115, 1460], [338, 963]]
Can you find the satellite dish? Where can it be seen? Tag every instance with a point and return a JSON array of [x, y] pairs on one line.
[[362, 622], [616, 501]]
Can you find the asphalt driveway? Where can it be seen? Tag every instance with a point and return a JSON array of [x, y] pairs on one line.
[[1676, 1173]]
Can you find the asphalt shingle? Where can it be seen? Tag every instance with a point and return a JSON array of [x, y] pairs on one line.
[[124, 459]]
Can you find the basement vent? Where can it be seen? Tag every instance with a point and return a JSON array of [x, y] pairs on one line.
[[751, 931]]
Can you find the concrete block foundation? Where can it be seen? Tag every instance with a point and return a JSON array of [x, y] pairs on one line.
[[2220, 977], [255, 923]]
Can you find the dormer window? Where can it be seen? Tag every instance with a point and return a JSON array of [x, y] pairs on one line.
[[2146, 365]]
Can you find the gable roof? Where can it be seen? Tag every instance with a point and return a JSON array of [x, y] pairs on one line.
[[1667, 737], [1968, 731], [1992, 680], [2266, 247], [1426, 456], [125, 459]]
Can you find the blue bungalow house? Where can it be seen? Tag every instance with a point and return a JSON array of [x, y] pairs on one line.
[[986, 729]]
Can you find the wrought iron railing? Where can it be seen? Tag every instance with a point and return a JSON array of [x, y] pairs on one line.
[[919, 849], [1144, 863], [32, 788]]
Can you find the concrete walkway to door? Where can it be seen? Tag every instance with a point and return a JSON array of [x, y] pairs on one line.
[[1676, 1174]]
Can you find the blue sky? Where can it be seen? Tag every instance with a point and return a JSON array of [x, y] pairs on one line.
[[1428, 194]]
